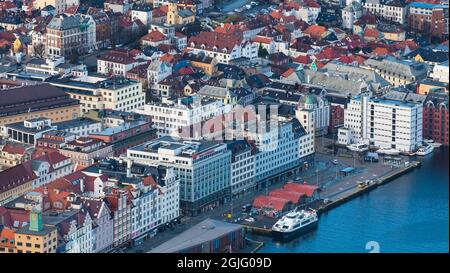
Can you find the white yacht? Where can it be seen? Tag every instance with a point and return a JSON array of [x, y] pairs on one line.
[[432, 143], [424, 150], [358, 147], [294, 223], [388, 151]]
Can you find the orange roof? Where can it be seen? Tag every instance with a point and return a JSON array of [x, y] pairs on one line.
[[294, 197], [263, 40], [306, 189], [315, 31], [381, 51], [275, 14], [166, 58], [270, 202], [371, 32], [227, 28], [303, 59], [154, 36], [7, 235], [288, 72]]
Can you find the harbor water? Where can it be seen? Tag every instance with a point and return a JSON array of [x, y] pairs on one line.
[[407, 215]]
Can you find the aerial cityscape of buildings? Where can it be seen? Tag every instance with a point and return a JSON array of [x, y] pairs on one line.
[[121, 120]]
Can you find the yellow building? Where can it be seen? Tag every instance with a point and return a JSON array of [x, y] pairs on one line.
[[34, 101], [205, 63], [426, 86], [36, 237], [177, 16]]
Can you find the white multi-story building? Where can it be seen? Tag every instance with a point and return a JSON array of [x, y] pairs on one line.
[[285, 147], [79, 239], [352, 12], [440, 72], [393, 10], [156, 202], [171, 116], [203, 168], [117, 62], [102, 233], [101, 93], [382, 122], [321, 108], [223, 47], [143, 13], [242, 167], [156, 72]]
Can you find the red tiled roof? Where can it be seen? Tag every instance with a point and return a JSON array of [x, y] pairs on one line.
[[215, 39], [263, 40], [14, 148], [52, 158], [160, 12], [315, 31], [270, 202], [371, 32], [154, 36], [6, 5], [117, 56], [303, 59], [7, 235], [16, 176], [294, 197], [14, 218], [306, 189], [275, 14], [288, 72], [381, 51]]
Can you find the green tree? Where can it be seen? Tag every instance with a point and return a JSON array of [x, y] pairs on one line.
[[262, 52]]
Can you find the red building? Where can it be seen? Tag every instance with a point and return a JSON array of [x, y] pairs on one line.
[[430, 19], [337, 118], [435, 117]]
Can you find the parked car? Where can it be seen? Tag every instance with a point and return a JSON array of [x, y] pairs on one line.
[[246, 207]]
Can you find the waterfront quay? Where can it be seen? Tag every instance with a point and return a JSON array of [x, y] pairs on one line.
[[336, 188]]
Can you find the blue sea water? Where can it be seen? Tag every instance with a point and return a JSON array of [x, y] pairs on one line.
[[407, 215]]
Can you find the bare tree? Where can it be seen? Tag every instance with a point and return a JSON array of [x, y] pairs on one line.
[[39, 50]]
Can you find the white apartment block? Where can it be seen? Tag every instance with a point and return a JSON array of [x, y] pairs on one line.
[[392, 10], [100, 93], [170, 116], [222, 47], [382, 122], [281, 149], [80, 239], [352, 12], [242, 167], [440, 72], [154, 204], [203, 168], [117, 62], [143, 13]]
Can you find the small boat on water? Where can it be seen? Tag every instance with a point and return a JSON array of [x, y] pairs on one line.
[[388, 151], [358, 147], [432, 143], [425, 150], [294, 223]]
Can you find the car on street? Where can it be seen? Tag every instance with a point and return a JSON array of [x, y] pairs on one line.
[[250, 219]]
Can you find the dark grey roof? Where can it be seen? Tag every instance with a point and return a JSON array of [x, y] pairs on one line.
[[205, 231], [64, 22]]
